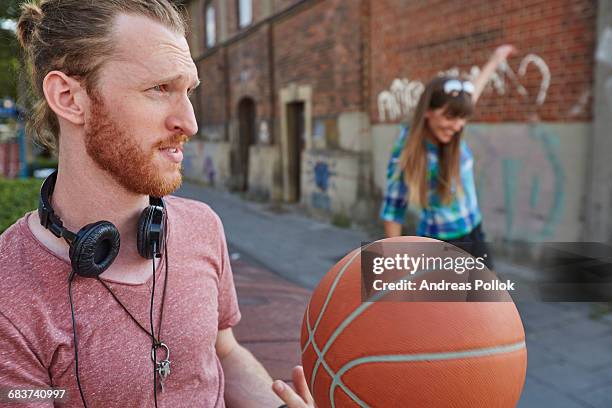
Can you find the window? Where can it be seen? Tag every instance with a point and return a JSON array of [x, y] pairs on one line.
[[245, 13], [211, 27]]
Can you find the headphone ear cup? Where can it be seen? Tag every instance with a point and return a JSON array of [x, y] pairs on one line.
[[151, 231], [95, 248]]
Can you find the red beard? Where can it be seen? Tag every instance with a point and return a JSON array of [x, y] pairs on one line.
[[115, 152]]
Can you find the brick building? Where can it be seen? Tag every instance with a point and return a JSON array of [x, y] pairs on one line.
[[301, 100]]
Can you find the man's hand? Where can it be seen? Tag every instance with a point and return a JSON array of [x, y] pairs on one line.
[[247, 383], [301, 397]]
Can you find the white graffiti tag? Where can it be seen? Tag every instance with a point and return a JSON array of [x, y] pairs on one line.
[[403, 95], [544, 70]]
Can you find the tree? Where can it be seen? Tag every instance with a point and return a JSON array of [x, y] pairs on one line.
[[10, 66], [9, 9]]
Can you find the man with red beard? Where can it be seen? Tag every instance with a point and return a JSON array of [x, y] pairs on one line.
[[114, 79]]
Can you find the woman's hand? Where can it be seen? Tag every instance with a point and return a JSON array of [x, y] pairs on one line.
[[502, 52], [499, 56], [301, 397]]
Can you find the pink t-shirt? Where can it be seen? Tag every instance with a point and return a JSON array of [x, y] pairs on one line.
[[114, 353]]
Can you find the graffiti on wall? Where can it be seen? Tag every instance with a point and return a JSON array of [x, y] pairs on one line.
[[604, 56], [579, 108], [189, 154], [321, 173], [264, 133], [521, 185], [198, 162], [209, 170], [401, 98], [318, 133], [604, 48]]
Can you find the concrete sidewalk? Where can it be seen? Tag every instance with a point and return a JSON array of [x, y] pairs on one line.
[[296, 247], [281, 253]]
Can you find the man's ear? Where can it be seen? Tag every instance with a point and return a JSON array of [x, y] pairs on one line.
[[66, 97]]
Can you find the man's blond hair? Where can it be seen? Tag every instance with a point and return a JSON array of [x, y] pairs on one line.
[[74, 37]]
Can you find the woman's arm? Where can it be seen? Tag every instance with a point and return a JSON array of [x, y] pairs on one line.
[[392, 229], [393, 208], [499, 55]]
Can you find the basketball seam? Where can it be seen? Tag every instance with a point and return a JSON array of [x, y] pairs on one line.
[[403, 358], [348, 320], [311, 331], [337, 332], [327, 299], [321, 360]]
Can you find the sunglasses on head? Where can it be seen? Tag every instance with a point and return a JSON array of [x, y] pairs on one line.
[[454, 87]]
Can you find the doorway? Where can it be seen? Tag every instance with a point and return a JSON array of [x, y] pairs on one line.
[[296, 143], [246, 138]]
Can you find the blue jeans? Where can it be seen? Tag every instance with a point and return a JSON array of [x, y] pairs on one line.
[[474, 243]]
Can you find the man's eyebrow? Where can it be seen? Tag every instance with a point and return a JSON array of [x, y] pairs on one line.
[[194, 85]]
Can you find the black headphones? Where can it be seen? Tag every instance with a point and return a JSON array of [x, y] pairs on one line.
[[94, 248]]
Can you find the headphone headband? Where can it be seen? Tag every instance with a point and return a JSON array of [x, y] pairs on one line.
[[94, 247], [47, 216]]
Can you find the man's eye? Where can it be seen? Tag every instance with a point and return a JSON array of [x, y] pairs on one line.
[[160, 88]]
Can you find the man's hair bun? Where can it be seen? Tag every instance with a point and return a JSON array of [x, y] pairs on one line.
[[31, 15]]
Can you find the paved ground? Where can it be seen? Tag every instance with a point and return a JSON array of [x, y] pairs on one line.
[[272, 310], [281, 255]]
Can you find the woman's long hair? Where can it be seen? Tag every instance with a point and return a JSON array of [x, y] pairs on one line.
[[413, 159]]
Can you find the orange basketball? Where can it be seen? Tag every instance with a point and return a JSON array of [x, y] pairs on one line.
[[409, 354]]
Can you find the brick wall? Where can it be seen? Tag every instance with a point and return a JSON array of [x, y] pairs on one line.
[[321, 46], [195, 34], [258, 14], [248, 76], [249, 71], [416, 39], [351, 52], [212, 93], [280, 5]]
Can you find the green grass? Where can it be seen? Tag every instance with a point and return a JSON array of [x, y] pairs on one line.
[[600, 310], [341, 220], [16, 198]]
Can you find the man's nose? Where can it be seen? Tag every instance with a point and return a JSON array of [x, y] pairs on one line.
[[183, 120]]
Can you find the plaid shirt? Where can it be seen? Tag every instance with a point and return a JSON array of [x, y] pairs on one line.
[[439, 221]]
